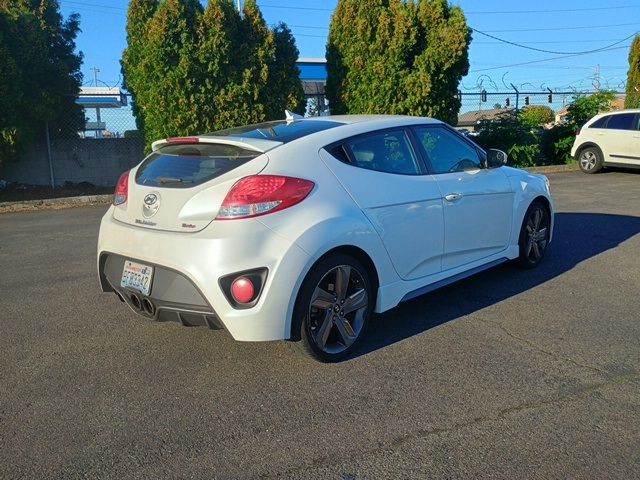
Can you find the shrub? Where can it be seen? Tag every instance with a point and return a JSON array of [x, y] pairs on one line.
[[535, 115], [586, 106], [524, 155], [507, 133], [557, 142]]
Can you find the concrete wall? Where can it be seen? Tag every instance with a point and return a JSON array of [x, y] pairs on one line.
[[98, 161]]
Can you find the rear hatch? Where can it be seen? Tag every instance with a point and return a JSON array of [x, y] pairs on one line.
[[181, 185]]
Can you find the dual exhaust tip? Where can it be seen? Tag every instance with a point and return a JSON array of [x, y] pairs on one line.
[[142, 304]]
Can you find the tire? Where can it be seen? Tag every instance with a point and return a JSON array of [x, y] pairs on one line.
[[590, 160], [328, 330], [534, 235]]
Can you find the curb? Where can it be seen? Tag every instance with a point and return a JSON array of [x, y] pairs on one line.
[[571, 167], [54, 203]]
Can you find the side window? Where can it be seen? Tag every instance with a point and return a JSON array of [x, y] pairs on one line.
[[388, 151], [622, 121], [446, 152], [601, 122]]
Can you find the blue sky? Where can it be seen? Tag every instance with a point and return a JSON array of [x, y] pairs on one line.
[[570, 26]]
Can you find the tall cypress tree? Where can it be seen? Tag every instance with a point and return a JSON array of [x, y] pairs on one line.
[[218, 65], [257, 48], [351, 34], [633, 77], [167, 86], [194, 71], [284, 89], [441, 60], [138, 16], [391, 56]]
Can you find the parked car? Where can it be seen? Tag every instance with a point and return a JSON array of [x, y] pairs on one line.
[[300, 229], [609, 139]]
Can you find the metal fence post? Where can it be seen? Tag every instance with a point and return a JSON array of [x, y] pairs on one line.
[[517, 97], [49, 156]]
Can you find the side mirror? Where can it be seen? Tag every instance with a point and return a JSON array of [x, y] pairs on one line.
[[496, 158]]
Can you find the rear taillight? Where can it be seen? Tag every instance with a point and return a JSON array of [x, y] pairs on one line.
[[122, 189], [183, 140], [577, 132], [262, 194]]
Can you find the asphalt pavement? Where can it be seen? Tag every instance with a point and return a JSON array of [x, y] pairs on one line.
[[509, 374]]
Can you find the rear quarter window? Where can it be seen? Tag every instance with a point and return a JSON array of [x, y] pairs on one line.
[[600, 123], [188, 165]]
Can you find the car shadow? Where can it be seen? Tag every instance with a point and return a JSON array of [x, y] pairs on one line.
[[610, 169], [577, 237]]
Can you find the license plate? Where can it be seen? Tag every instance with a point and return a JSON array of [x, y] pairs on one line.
[[137, 276]]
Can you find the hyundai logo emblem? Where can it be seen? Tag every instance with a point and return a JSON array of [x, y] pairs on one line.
[[151, 203], [150, 199]]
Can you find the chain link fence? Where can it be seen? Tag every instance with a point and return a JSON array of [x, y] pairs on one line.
[[93, 153], [485, 105], [108, 143]]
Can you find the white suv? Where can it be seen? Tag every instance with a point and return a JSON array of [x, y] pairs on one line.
[[608, 139]]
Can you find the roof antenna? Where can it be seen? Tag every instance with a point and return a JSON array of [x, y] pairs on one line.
[[292, 117]]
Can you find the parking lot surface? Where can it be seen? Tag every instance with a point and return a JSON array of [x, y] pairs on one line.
[[509, 374]]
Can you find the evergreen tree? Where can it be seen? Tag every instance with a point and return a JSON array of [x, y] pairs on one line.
[[633, 77], [391, 56], [194, 71], [167, 87], [40, 71], [284, 89], [219, 65], [138, 16]]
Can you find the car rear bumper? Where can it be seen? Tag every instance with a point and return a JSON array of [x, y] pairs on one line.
[[188, 266]]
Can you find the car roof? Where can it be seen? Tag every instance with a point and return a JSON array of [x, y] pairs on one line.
[[617, 112], [268, 135], [349, 119]]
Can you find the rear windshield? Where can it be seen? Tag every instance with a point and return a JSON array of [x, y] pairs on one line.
[[188, 165], [279, 131]]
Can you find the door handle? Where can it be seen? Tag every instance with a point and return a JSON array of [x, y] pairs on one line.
[[453, 197]]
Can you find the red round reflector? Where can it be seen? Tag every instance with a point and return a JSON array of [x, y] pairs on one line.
[[242, 290]]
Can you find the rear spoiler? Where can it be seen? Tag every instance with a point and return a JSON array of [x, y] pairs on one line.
[[255, 144]]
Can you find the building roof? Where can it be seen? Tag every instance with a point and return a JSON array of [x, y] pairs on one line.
[[469, 119]]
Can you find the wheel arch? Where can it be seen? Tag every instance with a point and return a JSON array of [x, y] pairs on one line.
[[549, 207], [353, 251], [586, 145], [545, 201]]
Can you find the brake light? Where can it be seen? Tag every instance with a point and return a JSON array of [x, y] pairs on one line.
[[122, 189], [578, 132], [183, 140], [262, 194]]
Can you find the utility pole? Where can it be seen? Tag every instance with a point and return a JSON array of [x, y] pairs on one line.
[[596, 82], [95, 71]]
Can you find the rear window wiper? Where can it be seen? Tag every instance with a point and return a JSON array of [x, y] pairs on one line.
[[167, 180]]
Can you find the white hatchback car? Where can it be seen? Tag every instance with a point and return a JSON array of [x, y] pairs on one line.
[[608, 139], [300, 229]]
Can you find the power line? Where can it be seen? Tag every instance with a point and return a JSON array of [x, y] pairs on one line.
[[86, 4], [484, 12], [519, 45], [542, 60], [555, 41], [563, 28], [562, 10], [289, 7]]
